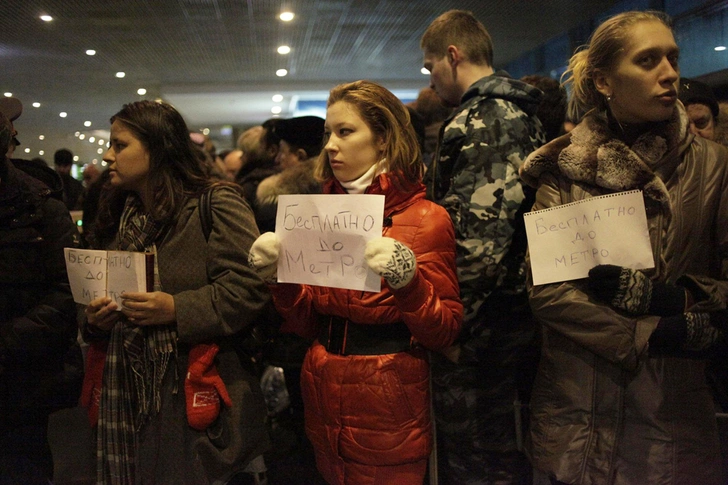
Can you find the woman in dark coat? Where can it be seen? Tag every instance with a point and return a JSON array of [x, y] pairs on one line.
[[620, 396], [170, 361]]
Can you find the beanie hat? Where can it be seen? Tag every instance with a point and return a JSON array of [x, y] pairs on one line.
[[306, 132], [695, 92]]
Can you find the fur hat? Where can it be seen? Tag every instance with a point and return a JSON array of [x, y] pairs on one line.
[[695, 92]]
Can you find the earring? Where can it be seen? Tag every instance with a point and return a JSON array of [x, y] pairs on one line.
[[609, 98]]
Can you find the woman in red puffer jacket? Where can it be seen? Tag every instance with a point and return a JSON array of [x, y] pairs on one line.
[[365, 378]]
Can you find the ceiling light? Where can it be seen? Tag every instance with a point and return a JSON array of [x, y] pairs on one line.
[[286, 16], [425, 71], [276, 110], [41, 153], [141, 91], [281, 72], [27, 150], [720, 48], [277, 98], [81, 136], [91, 139], [284, 49], [103, 163], [90, 52], [62, 114], [36, 105], [7, 95], [86, 123], [41, 137], [75, 158], [205, 131], [120, 74], [76, 134], [100, 151], [101, 141], [46, 18]]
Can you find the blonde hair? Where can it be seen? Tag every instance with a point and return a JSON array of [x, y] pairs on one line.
[[462, 29], [389, 120], [601, 53]]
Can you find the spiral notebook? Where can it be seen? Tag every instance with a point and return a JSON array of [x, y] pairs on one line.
[[566, 241]]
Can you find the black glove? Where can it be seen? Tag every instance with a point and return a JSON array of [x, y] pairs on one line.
[[686, 331], [630, 290]]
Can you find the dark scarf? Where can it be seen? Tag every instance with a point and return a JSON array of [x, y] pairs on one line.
[[137, 360]]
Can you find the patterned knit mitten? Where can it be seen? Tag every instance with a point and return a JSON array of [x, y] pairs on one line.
[[633, 292], [391, 260], [203, 387]]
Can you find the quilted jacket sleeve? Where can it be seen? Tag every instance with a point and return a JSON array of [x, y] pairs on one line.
[[430, 304]]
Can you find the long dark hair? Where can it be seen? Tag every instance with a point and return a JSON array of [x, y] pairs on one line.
[[175, 170]]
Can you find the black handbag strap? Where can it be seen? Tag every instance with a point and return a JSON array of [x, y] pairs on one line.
[[205, 208]]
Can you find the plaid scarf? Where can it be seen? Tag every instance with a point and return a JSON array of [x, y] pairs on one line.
[[136, 363]]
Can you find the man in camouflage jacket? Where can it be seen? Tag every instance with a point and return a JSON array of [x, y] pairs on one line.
[[475, 177]]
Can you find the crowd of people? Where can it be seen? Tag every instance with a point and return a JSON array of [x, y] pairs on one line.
[[460, 369]]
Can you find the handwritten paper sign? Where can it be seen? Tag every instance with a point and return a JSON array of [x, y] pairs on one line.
[[94, 274], [566, 241], [323, 239]]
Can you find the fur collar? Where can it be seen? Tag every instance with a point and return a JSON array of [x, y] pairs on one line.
[[594, 155], [298, 179]]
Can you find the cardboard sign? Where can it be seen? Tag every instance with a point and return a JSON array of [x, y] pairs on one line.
[[94, 274], [566, 241], [323, 238]]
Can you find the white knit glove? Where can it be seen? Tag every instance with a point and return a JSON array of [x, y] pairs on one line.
[[391, 260], [263, 256]]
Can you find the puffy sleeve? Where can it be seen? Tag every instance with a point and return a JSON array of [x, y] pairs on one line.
[[430, 304]]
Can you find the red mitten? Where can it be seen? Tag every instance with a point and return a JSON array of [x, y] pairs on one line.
[[204, 387], [93, 379]]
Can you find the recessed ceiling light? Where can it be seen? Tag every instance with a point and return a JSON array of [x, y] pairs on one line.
[[62, 114], [86, 123], [90, 52], [100, 151], [7, 95], [720, 48], [91, 139], [277, 98], [281, 72], [46, 18], [284, 49], [41, 153], [36, 105], [141, 91], [101, 141], [76, 134], [81, 136], [41, 137], [276, 109], [425, 71], [286, 16], [75, 158], [120, 74], [27, 150]]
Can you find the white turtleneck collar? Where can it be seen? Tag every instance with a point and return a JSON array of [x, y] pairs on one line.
[[359, 186]]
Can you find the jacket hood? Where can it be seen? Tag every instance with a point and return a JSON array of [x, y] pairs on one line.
[[592, 153], [501, 85]]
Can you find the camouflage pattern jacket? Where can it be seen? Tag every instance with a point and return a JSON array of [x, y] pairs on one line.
[[475, 177]]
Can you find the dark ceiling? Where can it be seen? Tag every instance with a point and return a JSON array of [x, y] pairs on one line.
[[216, 60]]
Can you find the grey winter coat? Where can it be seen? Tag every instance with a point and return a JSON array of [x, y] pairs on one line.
[[606, 410], [216, 295]]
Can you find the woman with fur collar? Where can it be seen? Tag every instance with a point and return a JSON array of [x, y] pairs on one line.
[[620, 396]]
